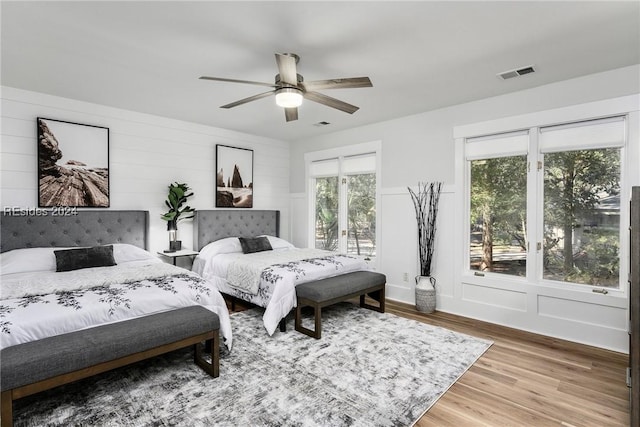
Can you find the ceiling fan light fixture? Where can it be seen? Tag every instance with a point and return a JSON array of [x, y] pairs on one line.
[[289, 97]]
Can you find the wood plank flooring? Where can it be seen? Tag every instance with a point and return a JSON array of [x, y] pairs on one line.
[[526, 379]]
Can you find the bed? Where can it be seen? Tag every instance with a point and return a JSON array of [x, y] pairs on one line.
[[38, 302], [138, 308], [266, 278]]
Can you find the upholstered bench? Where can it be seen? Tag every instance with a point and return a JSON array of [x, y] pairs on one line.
[[36, 366], [325, 292]]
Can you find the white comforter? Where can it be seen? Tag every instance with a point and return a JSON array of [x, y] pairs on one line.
[[276, 290], [37, 305]]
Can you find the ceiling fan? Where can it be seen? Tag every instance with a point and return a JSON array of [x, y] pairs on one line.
[[290, 88]]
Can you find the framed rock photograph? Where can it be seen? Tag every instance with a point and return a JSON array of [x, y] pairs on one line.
[[234, 177], [73, 164]]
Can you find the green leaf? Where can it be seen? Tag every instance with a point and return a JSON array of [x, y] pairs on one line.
[[173, 200], [178, 192]]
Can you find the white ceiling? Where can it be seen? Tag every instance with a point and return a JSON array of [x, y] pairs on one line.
[[147, 56]]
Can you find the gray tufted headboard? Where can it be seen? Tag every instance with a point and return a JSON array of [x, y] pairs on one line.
[[87, 228], [212, 225]]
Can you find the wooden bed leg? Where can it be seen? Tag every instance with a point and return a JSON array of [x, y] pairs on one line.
[[283, 324], [6, 409]]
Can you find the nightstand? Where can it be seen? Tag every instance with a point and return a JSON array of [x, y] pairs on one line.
[[177, 254]]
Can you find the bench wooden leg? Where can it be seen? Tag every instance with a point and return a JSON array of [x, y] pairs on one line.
[[376, 295], [318, 322], [376, 292], [317, 312], [6, 409], [212, 368]]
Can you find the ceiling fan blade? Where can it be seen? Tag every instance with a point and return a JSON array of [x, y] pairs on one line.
[[331, 102], [291, 114], [287, 69], [249, 99], [352, 82], [249, 82]]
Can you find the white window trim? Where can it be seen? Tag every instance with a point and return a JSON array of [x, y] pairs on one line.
[[339, 152], [627, 105]]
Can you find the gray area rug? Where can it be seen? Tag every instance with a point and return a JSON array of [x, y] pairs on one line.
[[369, 369]]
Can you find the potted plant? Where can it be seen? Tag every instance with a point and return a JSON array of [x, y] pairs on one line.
[[178, 195], [425, 201]]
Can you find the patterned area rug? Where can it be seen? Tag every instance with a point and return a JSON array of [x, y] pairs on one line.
[[369, 369]]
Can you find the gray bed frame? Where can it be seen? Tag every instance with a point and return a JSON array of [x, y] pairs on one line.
[[86, 228], [212, 225]]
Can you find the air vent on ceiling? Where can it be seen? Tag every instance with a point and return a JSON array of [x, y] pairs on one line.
[[516, 73], [320, 124]]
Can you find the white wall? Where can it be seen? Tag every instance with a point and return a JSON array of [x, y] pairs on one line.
[[421, 148], [146, 154]]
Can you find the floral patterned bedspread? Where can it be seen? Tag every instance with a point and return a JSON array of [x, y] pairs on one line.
[[35, 316], [246, 270]]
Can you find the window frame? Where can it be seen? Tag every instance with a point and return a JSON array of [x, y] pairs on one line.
[[340, 153], [535, 211], [468, 224], [533, 284]]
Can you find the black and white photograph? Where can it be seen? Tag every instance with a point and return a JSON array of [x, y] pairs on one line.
[[73, 164], [234, 177]]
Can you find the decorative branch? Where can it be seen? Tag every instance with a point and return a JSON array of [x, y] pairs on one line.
[[425, 202]]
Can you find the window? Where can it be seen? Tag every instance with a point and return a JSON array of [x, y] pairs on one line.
[[361, 214], [326, 229], [498, 212], [560, 188], [498, 215], [344, 203], [581, 215]]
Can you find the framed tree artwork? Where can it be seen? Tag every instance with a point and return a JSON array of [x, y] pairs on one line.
[[234, 177], [73, 164]]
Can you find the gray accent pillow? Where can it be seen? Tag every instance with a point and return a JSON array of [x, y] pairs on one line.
[[254, 244], [75, 259]]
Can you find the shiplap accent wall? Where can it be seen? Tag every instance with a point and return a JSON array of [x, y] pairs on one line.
[[146, 154]]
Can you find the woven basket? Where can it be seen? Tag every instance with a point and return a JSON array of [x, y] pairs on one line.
[[425, 295]]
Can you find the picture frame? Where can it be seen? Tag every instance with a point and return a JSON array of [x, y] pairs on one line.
[[234, 177], [73, 164]]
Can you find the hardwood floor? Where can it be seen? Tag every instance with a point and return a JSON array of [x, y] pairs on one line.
[[526, 379]]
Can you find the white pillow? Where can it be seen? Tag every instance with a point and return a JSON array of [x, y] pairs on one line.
[[123, 252], [43, 259], [28, 259], [228, 245], [278, 243]]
